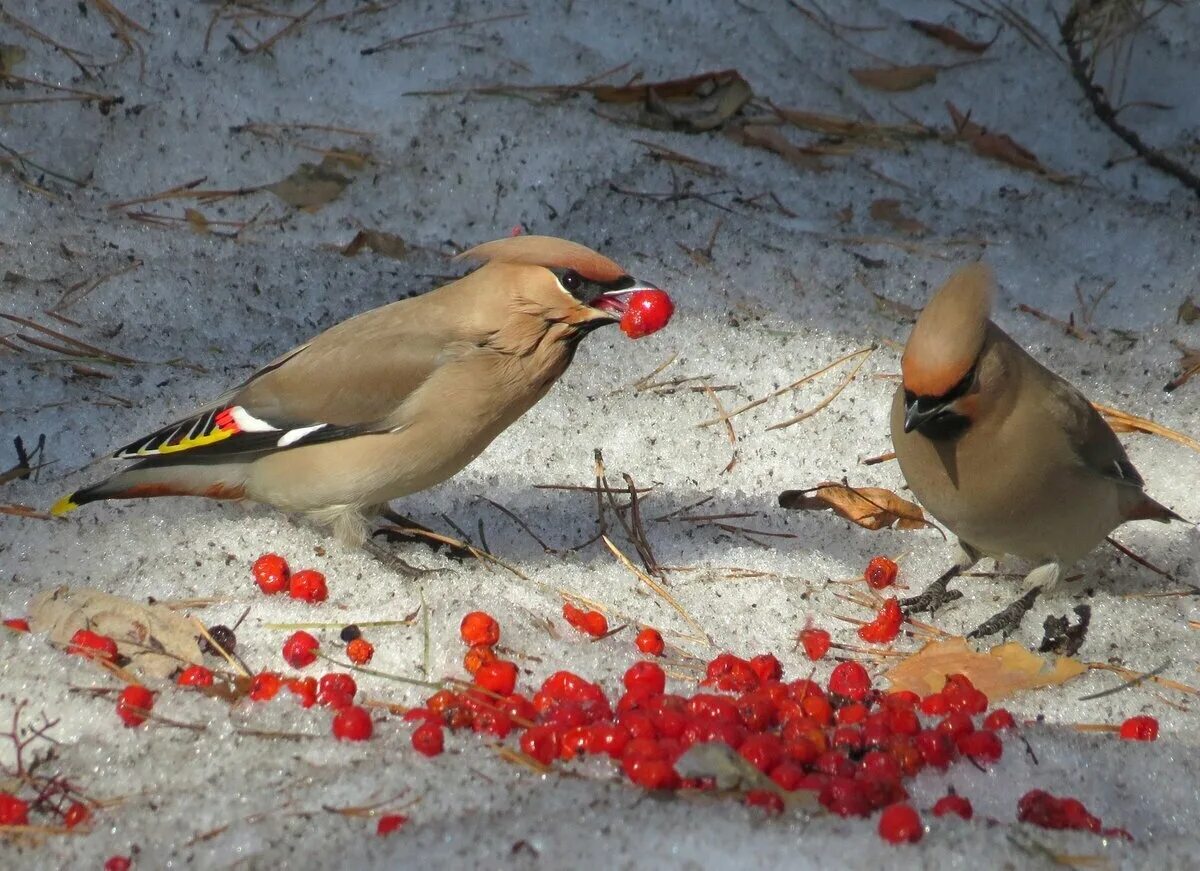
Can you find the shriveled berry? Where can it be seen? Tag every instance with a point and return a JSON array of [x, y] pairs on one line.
[[646, 312], [13, 811], [953, 804], [76, 815], [300, 649], [359, 651], [886, 625], [390, 823], [352, 724], [498, 676], [308, 585], [1141, 728], [349, 633], [195, 676], [477, 656], [816, 643], [479, 627], [650, 642], [881, 572], [999, 719], [133, 704], [271, 573], [428, 739], [221, 635], [265, 685], [18, 624], [850, 680], [304, 689], [93, 645], [900, 824]]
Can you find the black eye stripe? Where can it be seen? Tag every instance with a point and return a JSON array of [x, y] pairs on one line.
[[586, 289]]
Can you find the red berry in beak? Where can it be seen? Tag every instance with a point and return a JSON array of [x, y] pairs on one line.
[[646, 312]]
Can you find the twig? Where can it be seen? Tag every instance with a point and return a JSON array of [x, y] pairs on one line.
[[1127, 685], [455, 25], [828, 399], [293, 25], [729, 431], [658, 588]]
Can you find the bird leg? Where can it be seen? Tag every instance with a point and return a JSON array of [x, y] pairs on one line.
[[394, 562], [1006, 622], [404, 529], [936, 595]]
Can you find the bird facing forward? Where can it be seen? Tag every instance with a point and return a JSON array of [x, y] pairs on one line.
[[1006, 454], [391, 401]]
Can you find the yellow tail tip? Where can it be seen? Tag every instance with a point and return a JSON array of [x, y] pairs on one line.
[[64, 505]]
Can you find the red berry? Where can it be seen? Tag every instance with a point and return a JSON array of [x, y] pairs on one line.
[[390, 823], [767, 667], [763, 751], [300, 649], [650, 642], [133, 704], [591, 623], [954, 804], [955, 724], [651, 773], [647, 678], [731, 673], [270, 573], [937, 748], [849, 679], [477, 656], [646, 312], [118, 863], [900, 824], [428, 739], [304, 688], [816, 643], [20, 624], [540, 743], [1140, 729], [881, 572], [479, 627], [13, 811], [308, 585], [982, 746], [498, 676], [935, 705], [195, 676], [999, 719], [352, 724], [766, 799], [77, 814], [359, 651], [608, 739], [336, 690], [265, 685], [886, 625], [93, 645]]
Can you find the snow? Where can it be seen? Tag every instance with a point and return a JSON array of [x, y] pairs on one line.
[[783, 294]]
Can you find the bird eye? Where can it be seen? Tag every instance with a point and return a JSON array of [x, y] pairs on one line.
[[571, 280]]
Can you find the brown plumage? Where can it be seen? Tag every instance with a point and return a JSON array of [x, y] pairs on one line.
[[391, 401], [1006, 454]]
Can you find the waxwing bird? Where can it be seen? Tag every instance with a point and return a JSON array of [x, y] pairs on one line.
[[391, 401], [1006, 454]]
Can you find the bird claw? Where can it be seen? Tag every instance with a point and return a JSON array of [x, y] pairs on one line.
[[396, 534], [392, 561], [1007, 621], [932, 597]]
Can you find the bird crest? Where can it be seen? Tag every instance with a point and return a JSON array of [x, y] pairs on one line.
[[949, 334], [547, 251]]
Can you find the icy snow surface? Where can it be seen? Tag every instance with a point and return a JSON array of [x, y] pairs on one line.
[[786, 290]]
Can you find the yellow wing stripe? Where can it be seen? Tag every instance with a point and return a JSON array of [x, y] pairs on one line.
[[188, 443]]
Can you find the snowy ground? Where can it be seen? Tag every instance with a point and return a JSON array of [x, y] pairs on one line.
[[786, 290]]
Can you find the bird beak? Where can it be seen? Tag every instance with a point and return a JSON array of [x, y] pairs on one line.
[[614, 303], [918, 412]]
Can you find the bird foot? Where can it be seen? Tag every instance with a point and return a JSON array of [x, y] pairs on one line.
[[1007, 621], [934, 596], [412, 534], [394, 562]]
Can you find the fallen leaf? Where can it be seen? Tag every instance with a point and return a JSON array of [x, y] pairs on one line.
[[156, 640], [312, 185], [769, 137], [893, 79], [947, 35], [872, 508], [694, 104], [1189, 365], [1189, 312], [1001, 672], [997, 146], [730, 771], [387, 244], [888, 211], [196, 221]]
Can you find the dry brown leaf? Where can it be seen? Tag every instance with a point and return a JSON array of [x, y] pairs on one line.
[[1123, 421], [196, 221], [893, 79], [769, 137], [997, 146], [1189, 312], [1189, 365], [387, 244], [693, 105], [1001, 672], [157, 640], [947, 35], [872, 508], [888, 211], [312, 185]]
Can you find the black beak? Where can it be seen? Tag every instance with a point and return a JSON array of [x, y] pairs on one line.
[[919, 411]]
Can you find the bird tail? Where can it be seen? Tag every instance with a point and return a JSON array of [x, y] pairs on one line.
[[1148, 509], [147, 479]]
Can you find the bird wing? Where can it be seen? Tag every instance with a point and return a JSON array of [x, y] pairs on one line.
[[1090, 436], [346, 382]]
